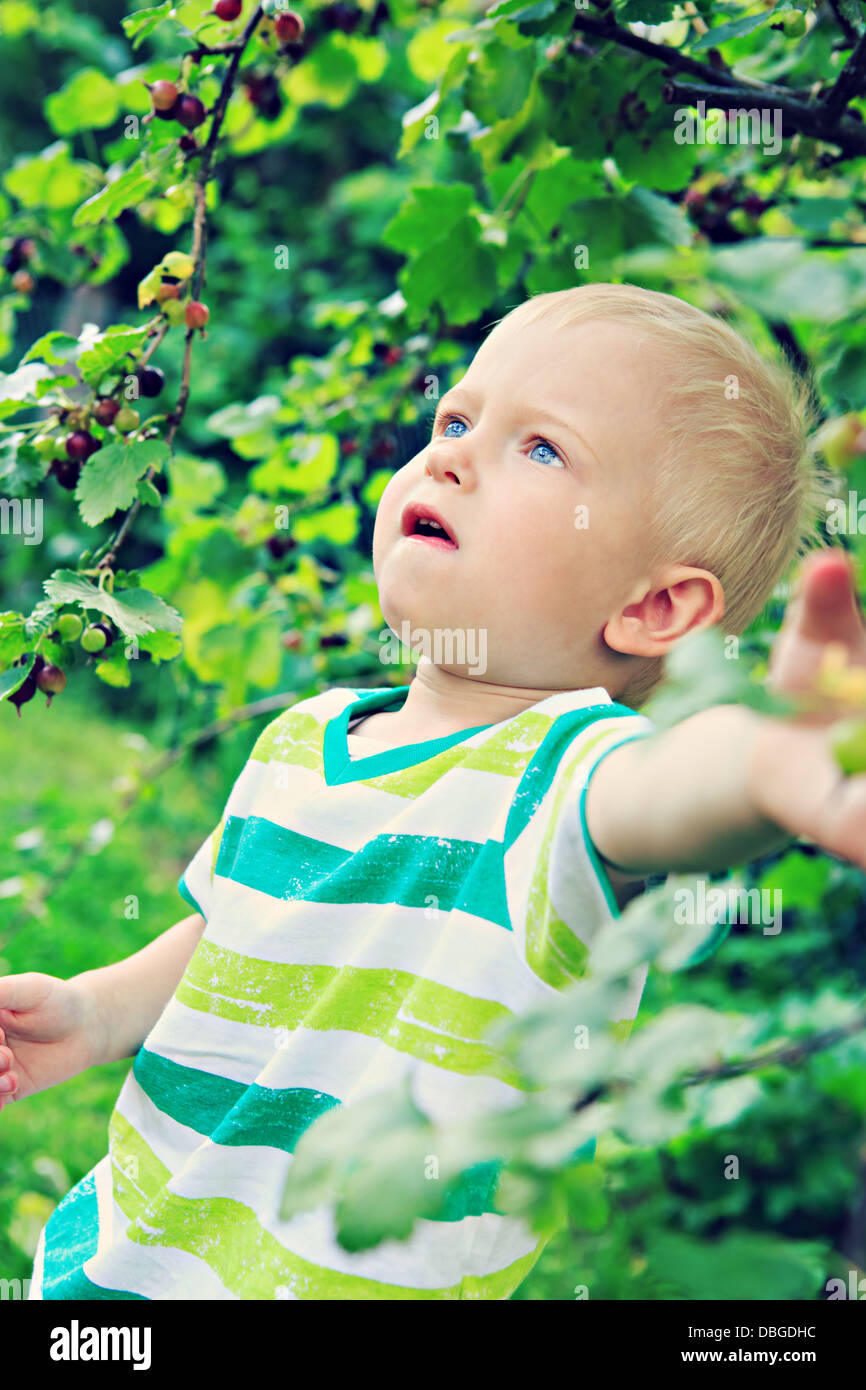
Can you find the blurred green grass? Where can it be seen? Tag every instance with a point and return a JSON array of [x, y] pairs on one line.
[[61, 777]]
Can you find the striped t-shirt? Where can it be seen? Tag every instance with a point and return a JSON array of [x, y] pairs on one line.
[[368, 918]]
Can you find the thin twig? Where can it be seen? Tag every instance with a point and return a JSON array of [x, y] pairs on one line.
[[849, 83]]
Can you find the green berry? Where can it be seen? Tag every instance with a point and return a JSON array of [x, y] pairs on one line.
[[174, 311], [127, 419], [46, 445], [93, 639], [70, 627], [848, 741]]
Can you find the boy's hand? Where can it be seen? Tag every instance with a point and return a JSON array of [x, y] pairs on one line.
[[824, 608], [49, 1031], [795, 779]]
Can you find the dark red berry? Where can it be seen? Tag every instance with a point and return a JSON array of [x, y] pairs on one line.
[[23, 281], [190, 112], [13, 261], [51, 680], [105, 410], [289, 26], [349, 446], [25, 692], [81, 444], [393, 355], [188, 143], [227, 9], [150, 380], [384, 448], [66, 471], [334, 639], [280, 545]]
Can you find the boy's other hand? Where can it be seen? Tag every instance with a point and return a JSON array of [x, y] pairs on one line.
[[794, 776], [824, 608], [49, 1031]]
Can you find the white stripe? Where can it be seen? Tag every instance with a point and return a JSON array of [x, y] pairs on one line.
[[437, 1254], [463, 804], [338, 1063]]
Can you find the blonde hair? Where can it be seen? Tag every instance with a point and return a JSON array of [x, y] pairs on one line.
[[734, 487]]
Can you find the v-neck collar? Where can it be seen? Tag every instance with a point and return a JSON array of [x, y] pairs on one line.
[[339, 767]]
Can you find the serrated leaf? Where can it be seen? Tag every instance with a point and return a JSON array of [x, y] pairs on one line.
[[438, 207], [141, 24], [109, 479], [126, 191], [52, 347], [108, 350], [135, 611]]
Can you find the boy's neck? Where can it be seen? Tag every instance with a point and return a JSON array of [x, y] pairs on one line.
[[439, 703]]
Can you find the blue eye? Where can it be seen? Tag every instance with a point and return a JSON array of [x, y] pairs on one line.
[[554, 458], [542, 444]]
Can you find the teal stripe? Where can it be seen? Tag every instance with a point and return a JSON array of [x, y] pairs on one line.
[[339, 768], [183, 889], [541, 770], [594, 857], [235, 1114], [403, 869], [71, 1238]]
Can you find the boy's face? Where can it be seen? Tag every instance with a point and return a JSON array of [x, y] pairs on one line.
[[550, 535]]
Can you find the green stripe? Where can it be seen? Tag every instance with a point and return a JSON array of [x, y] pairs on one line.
[[238, 1114], [248, 1260], [411, 870], [430, 1021]]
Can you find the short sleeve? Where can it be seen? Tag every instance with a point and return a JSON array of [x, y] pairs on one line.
[[195, 884], [559, 893]]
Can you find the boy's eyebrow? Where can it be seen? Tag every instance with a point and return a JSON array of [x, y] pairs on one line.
[[451, 398]]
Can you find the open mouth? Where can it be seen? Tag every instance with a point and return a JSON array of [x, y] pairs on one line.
[[424, 524]]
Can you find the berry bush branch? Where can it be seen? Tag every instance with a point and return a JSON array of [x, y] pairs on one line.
[[198, 256], [820, 118]]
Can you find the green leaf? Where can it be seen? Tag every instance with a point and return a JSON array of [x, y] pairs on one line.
[[114, 673], [108, 479], [88, 101], [135, 611], [328, 75], [15, 676], [52, 347], [498, 82], [742, 1265], [109, 351], [147, 494], [439, 207], [49, 179], [126, 191], [162, 646], [734, 29], [307, 464], [457, 272], [140, 25], [338, 524]]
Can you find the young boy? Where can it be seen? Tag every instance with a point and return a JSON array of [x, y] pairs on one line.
[[396, 869]]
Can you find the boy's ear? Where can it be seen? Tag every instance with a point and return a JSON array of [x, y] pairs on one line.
[[657, 614]]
